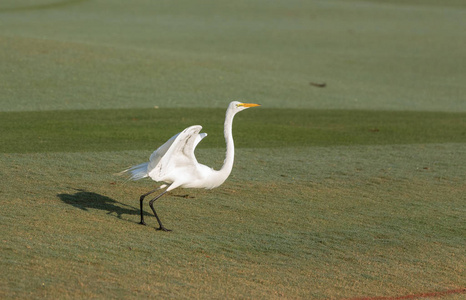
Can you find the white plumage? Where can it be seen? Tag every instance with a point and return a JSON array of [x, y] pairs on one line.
[[175, 164]]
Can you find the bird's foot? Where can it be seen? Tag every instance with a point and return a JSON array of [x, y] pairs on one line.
[[142, 223], [163, 229]]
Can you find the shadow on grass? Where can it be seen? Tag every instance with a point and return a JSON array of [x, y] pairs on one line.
[[85, 200]]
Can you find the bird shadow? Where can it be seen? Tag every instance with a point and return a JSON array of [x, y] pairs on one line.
[[85, 200]]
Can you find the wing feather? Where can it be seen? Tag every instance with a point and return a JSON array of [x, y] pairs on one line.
[[176, 152]]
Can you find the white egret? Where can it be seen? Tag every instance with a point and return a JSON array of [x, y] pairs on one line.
[[175, 165]]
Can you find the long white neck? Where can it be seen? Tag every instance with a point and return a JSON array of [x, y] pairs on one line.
[[225, 171]]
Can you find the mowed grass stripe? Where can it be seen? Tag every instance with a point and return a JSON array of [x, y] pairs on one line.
[[131, 129]]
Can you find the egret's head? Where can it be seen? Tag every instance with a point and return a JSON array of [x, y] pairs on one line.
[[239, 106]]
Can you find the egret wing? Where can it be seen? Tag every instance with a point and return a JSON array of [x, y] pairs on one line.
[[176, 153], [160, 152], [142, 170], [199, 138]]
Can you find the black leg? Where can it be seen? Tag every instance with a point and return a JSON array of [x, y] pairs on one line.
[[151, 204], [140, 202]]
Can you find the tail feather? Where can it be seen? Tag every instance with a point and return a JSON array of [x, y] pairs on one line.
[[136, 172]]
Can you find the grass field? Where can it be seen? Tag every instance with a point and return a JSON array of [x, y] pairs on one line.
[[355, 190]]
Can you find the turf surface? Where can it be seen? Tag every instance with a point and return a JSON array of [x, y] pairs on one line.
[[113, 130], [294, 222], [349, 190], [119, 54]]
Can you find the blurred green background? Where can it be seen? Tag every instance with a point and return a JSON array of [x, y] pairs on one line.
[[379, 55], [349, 180]]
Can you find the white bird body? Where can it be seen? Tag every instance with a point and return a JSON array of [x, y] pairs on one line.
[[175, 164]]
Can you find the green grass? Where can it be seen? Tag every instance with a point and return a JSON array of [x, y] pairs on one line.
[[356, 189], [116, 130], [351, 221], [114, 54]]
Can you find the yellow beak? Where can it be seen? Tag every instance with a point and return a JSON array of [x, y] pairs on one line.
[[249, 104]]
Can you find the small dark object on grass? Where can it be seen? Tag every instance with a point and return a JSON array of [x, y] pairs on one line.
[[321, 85], [186, 196]]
